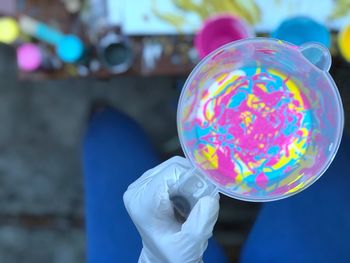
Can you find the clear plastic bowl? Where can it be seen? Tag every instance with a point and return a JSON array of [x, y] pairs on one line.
[[261, 119]]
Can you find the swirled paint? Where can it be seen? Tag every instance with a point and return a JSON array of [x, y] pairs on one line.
[[259, 120], [252, 127]]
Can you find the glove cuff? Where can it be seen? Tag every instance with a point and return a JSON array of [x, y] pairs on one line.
[[145, 257]]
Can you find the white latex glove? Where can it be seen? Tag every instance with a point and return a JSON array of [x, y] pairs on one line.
[[164, 238]]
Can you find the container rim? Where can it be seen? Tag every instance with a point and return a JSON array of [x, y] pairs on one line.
[[221, 189]]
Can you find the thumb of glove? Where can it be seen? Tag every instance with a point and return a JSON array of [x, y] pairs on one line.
[[203, 216]]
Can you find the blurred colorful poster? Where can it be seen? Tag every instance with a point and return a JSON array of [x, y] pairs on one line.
[[186, 16]]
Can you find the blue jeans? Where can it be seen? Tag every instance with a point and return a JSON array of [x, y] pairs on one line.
[[312, 227], [115, 153]]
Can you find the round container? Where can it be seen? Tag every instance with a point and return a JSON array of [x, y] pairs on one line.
[[116, 53], [220, 30], [9, 30], [29, 57], [261, 119], [70, 49], [300, 30], [344, 42]]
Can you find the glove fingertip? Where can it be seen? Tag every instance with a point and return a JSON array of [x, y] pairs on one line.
[[209, 205], [203, 217]]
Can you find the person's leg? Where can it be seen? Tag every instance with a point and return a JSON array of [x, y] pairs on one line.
[[313, 226], [214, 253], [115, 153]]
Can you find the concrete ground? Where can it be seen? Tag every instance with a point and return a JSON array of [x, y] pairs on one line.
[[42, 123]]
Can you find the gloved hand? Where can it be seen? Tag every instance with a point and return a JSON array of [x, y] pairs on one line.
[[165, 239]]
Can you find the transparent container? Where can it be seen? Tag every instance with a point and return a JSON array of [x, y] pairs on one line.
[[259, 119]]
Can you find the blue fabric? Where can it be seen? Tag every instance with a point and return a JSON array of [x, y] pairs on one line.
[[115, 153], [312, 226]]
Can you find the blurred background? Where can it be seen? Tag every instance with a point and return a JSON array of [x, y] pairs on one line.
[[58, 57]]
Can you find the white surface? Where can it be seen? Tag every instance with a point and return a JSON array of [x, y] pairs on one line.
[[140, 20], [115, 11]]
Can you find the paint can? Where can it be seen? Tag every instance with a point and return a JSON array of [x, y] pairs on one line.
[[299, 30], [115, 52], [29, 57], [32, 57], [219, 30], [9, 30], [344, 42]]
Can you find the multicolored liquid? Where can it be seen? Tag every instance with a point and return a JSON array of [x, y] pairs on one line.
[[260, 118], [251, 129]]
